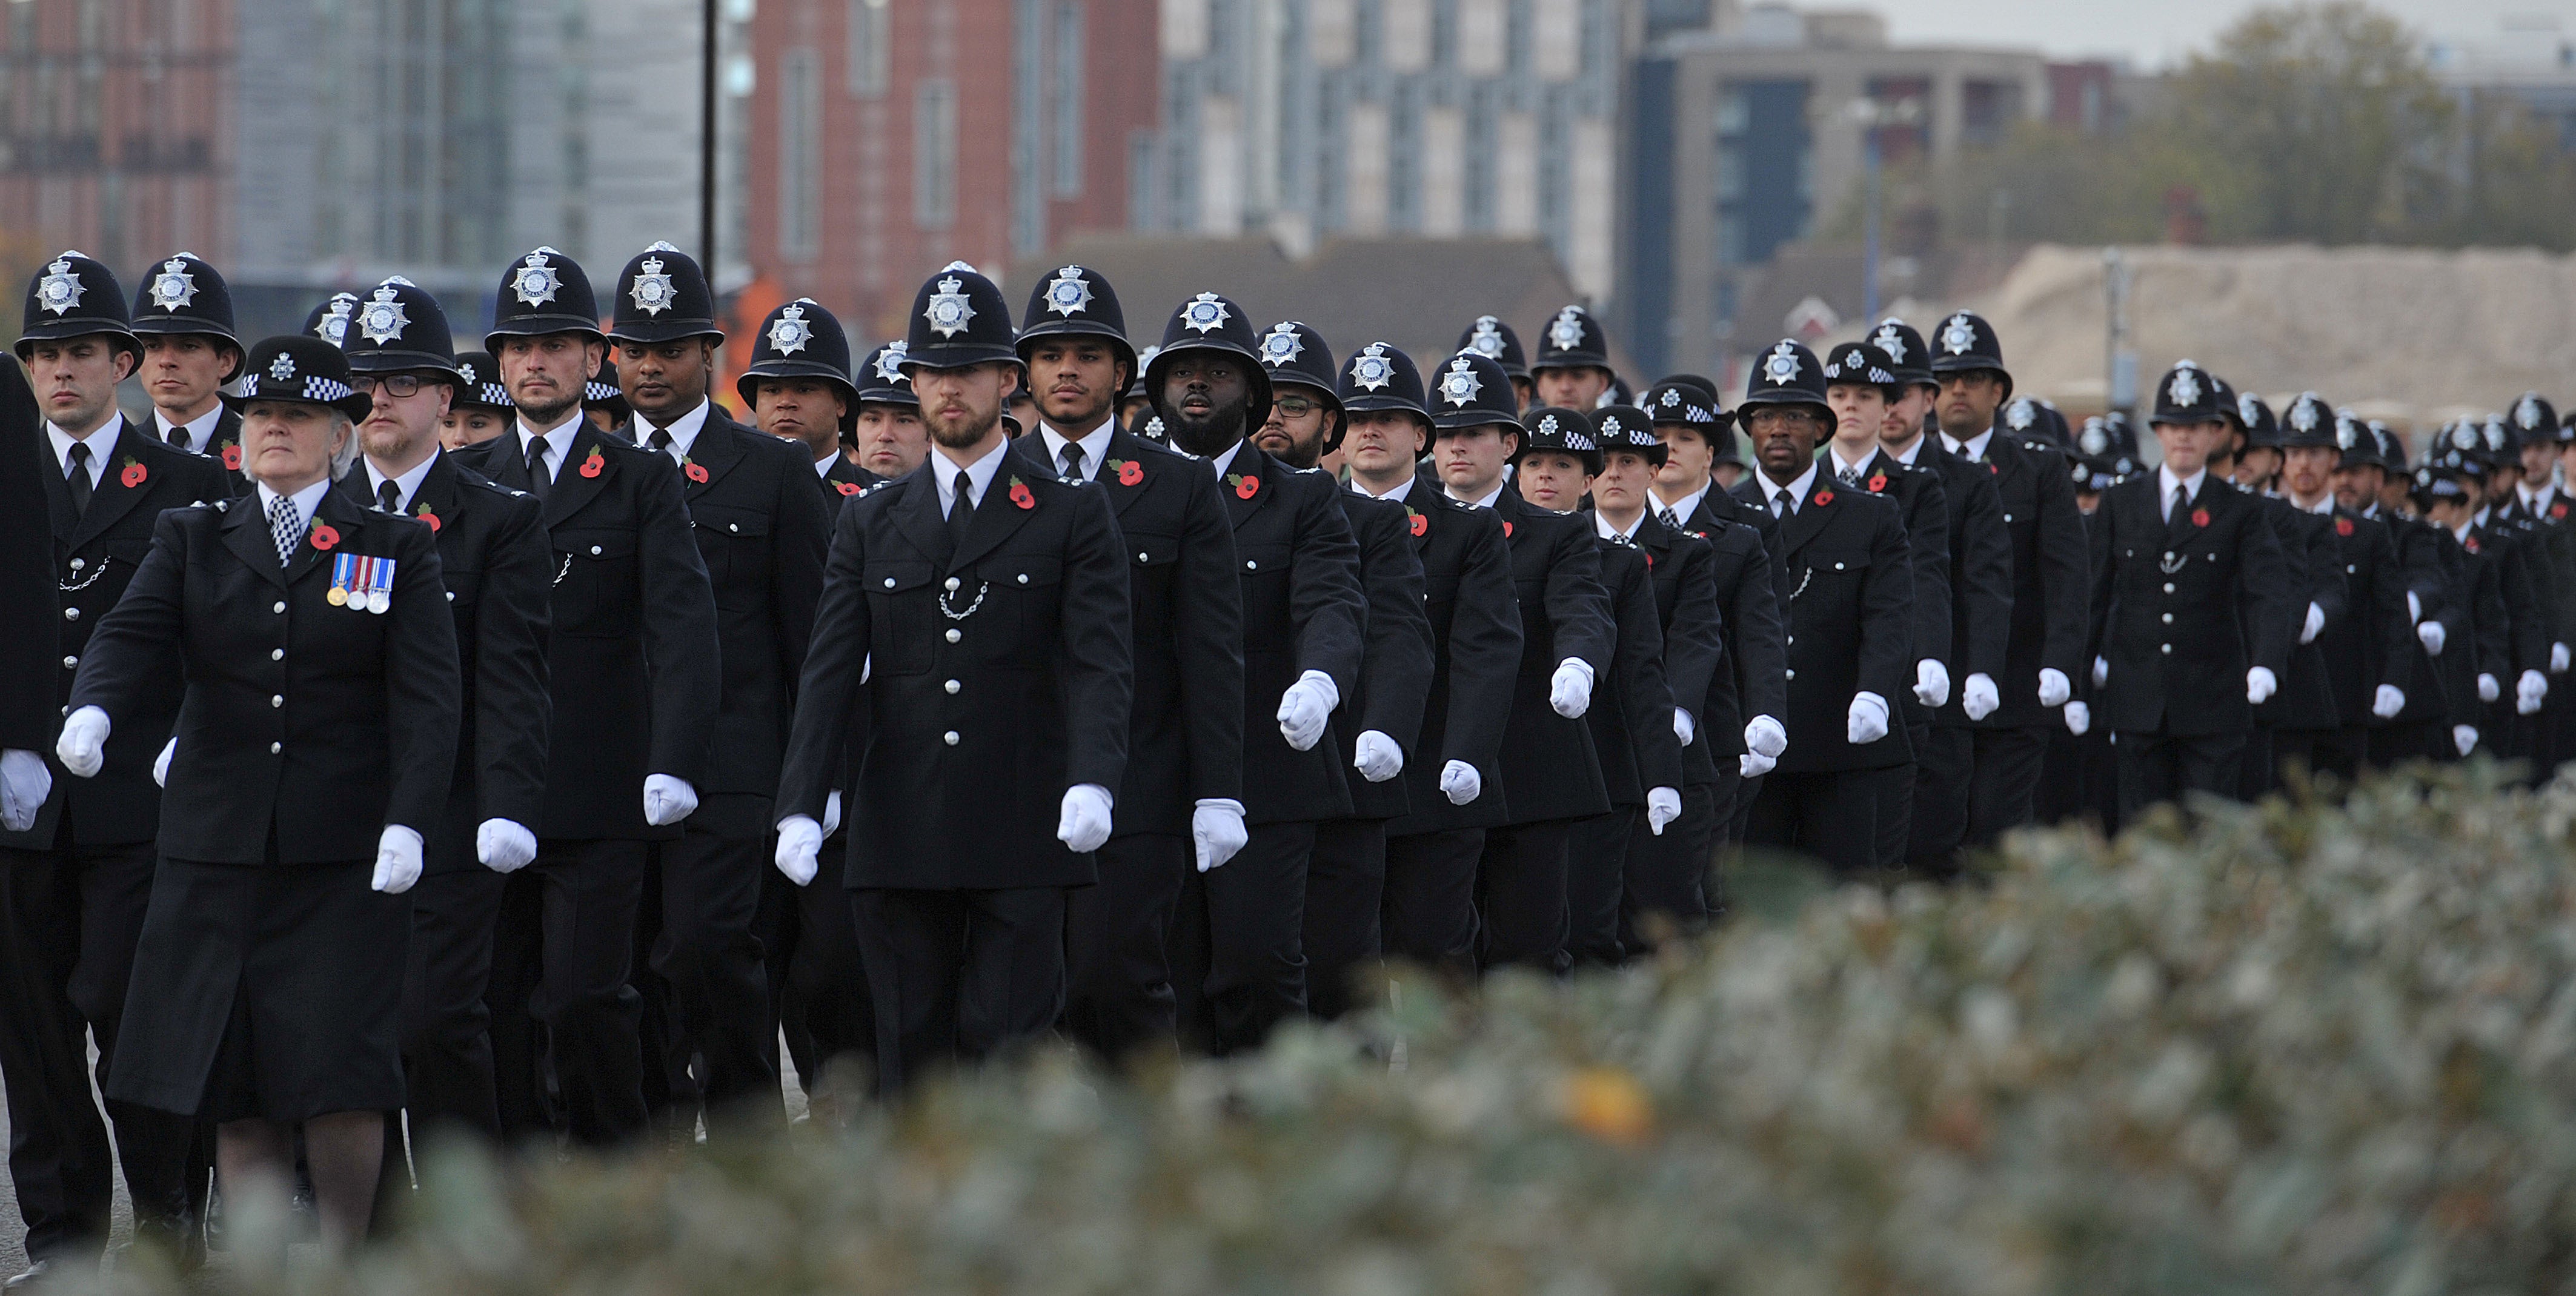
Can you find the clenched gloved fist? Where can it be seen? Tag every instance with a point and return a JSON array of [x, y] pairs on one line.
[[1376, 756], [1305, 707], [1931, 683], [1663, 805], [397, 860], [2054, 687], [2558, 659], [1570, 692], [2431, 635], [1684, 727], [2260, 685], [799, 840], [1217, 831], [2079, 718], [668, 800], [504, 845], [1754, 765], [83, 747], [2316, 621], [2529, 692], [1866, 722], [1766, 736], [2101, 671], [1460, 782], [1978, 697], [2388, 701], [1083, 825], [2464, 737], [2488, 689], [25, 782]]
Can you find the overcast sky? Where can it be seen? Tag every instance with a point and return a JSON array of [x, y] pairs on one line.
[[2162, 32]]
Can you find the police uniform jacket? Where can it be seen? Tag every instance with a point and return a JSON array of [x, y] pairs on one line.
[[2527, 581], [840, 480], [1469, 597], [1550, 770], [1980, 579], [223, 446], [497, 569], [2499, 606], [94, 556], [2311, 552], [29, 710], [632, 649], [2369, 642], [998, 675], [306, 727], [2432, 567], [1925, 504], [2559, 539], [2049, 619], [1303, 610], [1749, 604], [1849, 603], [2185, 608], [1683, 571], [1397, 663], [1632, 705], [1185, 603]]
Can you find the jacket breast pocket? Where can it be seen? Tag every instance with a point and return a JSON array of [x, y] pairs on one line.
[[735, 544], [1265, 570], [1153, 549], [1830, 574], [1022, 594], [903, 613], [595, 582]]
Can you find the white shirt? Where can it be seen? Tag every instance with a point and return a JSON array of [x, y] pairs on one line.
[[1397, 493], [2479, 518], [684, 430], [101, 442], [979, 476], [1221, 462], [304, 501], [201, 429], [1095, 446], [558, 443], [408, 484], [823, 466], [2324, 506], [1908, 455], [1797, 490], [2533, 501], [1972, 448], [1485, 503], [1610, 532], [1686, 507], [1841, 463], [2165, 483], [2462, 533]]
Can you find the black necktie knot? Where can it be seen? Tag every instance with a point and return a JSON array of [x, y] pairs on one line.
[[389, 496]]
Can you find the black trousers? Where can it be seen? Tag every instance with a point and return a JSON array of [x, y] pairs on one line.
[[561, 1006], [1596, 880], [958, 976], [446, 1027], [1832, 815], [2257, 771], [2060, 795], [708, 1037], [1427, 914], [1345, 885], [2339, 752], [827, 987], [1520, 896], [2392, 745], [1944, 766], [2158, 767], [69, 919], [1117, 944], [2006, 774], [1667, 887], [1238, 941], [2326, 750]]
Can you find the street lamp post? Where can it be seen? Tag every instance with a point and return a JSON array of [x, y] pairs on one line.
[[1872, 115]]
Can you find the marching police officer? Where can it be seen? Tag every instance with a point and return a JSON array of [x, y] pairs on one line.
[[1493, 339], [27, 704], [2369, 650], [479, 408], [76, 859], [888, 438], [986, 606], [1237, 945], [2303, 715], [184, 316], [633, 672], [1573, 366], [798, 388], [1180, 807], [2444, 490]]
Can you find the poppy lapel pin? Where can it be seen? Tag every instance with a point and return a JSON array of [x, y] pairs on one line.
[[2470, 544], [847, 488], [2200, 517], [2558, 511], [595, 464], [1246, 485], [431, 518], [325, 537], [133, 474], [1877, 483], [1129, 471], [2343, 526], [1021, 496], [1417, 523], [232, 456], [1507, 529], [694, 471], [1823, 497]]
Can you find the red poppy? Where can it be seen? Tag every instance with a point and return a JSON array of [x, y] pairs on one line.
[[848, 488], [1130, 472], [1421, 525], [325, 538], [1507, 530], [232, 456], [2343, 526], [695, 472], [2471, 544], [2200, 517], [1245, 485], [133, 475], [1877, 483], [2558, 511], [1996, 469], [1824, 497], [430, 518], [592, 466], [1020, 494]]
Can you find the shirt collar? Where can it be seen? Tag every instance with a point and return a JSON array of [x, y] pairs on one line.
[[2479, 518], [2166, 481], [1797, 489], [1687, 507], [305, 500], [1840, 463], [558, 443], [101, 442], [1910, 453], [2325, 507], [1485, 503], [979, 475], [823, 466], [1610, 531], [408, 484], [1223, 461], [201, 429], [1398, 493], [684, 429], [1972, 448], [1095, 446], [2461, 533]]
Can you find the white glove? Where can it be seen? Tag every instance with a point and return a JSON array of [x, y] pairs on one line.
[[2529, 692], [1684, 727], [2079, 718], [1663, 805], [1084, 823], [2388, 701], [2414, 608], [1931, 683], [2558, 659], [2054, 687], [1571, 691], [397, 860], [1216, 828], [83, 746], [668, 800], [2316, 622], [1460, 782], [2260, 685], [800, 839], [1765, 735], [1866, 722], [1376, 756], [25, 782], [1305, 707], [1754, 765], [1978, 697], [832, 812], [2431, 635], [504, 845], [2101, 671], [2488, 689], [2465, 737], [161, 763]]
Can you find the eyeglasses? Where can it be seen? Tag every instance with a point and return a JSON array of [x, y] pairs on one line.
[[1296, 406], [398, 386]]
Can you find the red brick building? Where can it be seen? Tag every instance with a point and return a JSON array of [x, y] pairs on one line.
[[889, 137]]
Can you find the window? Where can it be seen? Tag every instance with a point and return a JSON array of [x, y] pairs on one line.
[[871, 47], [934, 153], [1065, 171], [800, 153]]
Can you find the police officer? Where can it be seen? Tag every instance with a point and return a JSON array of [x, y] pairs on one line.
[[184, 316], [1180, 808], [2444, 490], [1493, 339], [1572, 370], [603, 399], [1346, 878], [2508, 449], [2046, 647], [2369, 650], [798, 388], [986, 606], [76, 859], [888, 440], [1453, 780], [633, 672], [314, 755], [2303, 714], [27, 704], [2193, 597], [1849, 583], [478, 408]]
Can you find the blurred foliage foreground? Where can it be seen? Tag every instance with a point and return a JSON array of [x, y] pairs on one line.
[[2292, 1048]]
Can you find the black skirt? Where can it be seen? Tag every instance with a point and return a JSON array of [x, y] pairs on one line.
[[270, 991]]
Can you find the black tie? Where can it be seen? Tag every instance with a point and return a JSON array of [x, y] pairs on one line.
[[1780, 503], [1668, 518], [179, 436], [389, 497], [961, 514], [78, 477], [661, 440], [1851, 476], [2182, 500], [1073, 459], [539, 481]]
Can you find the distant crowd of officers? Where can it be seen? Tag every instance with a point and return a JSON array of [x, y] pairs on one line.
[[511, 743]]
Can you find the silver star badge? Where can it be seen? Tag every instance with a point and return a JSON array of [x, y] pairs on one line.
[[2303, 413], [1281, 345], [1068, 292], [1671, 398], [2094, 439], [653, 289], [890, 361], [1460, 384], [1891, 341], [535, 283], [1204, 314], [1566, 330], [2185, 387], [60, 289], [1610, 426], [1370, 369], [333, 327], [174, 287], [1487, 340], [1959, 335], [283, 367], [2527, 414], [949, 310], [789, 333], [2021, 415], [1781, 366], [383, 319], [1547, 425]]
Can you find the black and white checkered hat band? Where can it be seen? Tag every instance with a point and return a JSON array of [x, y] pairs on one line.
[[329, 391], [496, 394], [600, 391], [1575, 440]]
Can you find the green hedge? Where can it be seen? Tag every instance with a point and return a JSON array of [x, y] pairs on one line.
[[2290, 1049]]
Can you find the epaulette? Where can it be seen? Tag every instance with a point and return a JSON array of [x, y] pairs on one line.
[[2028, 444], [220, 506], [873, 487]]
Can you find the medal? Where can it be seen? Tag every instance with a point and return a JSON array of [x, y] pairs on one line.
[[380, 585], [343, 571]]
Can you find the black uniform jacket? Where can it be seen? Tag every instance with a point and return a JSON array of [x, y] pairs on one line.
[[2512, 538], [1849, 607], [762, 531], [2049, 613], [94, 556], [2183, 609], [1397, 664], [1185, 603], [2310, 550], [1632, 705], [29, 710], [2487, 559], [1748, 597], [1468, 596], [1980, 576], [493, 558], [1925, 503], [2371, 641], [840, 480], [1550, 770], [985, 701], [304, 724], [2432, 568], [1696, 669], [1303, 610], [632, 651], [222, 445]]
